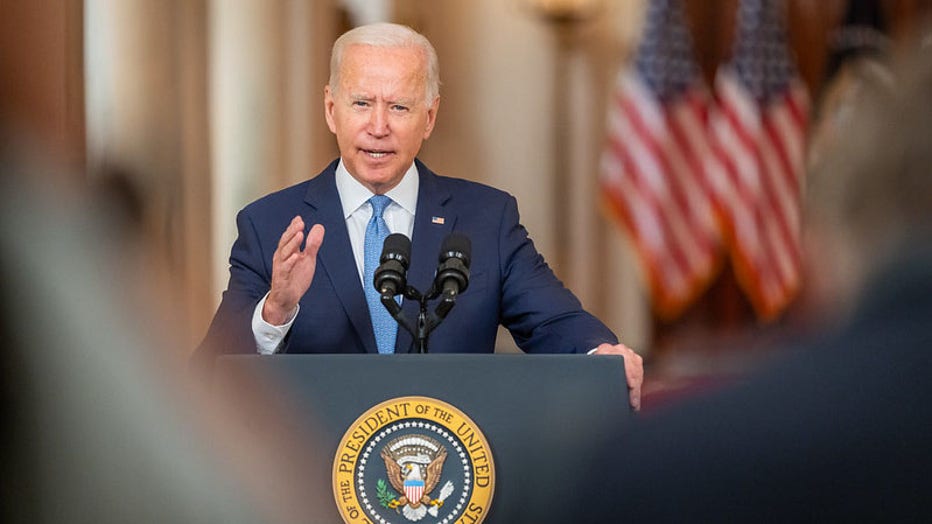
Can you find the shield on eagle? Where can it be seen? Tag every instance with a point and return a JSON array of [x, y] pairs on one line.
[[414, 488]]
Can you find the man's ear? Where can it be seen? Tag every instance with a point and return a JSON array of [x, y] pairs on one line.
[[328, 108], [431, 117]]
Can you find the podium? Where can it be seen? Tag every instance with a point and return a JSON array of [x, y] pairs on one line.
[[534, 415]]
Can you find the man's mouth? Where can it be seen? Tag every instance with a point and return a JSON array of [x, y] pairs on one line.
[[376, 153]]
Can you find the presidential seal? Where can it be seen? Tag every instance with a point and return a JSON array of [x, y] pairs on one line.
[[413, 459]]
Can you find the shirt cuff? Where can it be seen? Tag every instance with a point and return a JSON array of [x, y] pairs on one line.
[[269, 338]]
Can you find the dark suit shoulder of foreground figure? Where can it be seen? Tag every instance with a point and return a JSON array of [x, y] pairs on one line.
[[510, 282], [840, 431]]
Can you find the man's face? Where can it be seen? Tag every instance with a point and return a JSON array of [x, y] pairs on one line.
[[379, 113]]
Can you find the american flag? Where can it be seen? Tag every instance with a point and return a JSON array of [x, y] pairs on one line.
[[758, 132], [652, 167]]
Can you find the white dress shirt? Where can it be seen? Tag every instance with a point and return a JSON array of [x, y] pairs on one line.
[[354, 197]]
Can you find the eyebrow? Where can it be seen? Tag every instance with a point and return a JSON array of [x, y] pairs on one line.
[[403, 101], [369, 98]]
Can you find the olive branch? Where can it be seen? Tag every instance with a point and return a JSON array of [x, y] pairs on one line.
[[386, 495]]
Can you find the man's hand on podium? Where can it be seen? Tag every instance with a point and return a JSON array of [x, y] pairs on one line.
[[634, 369]]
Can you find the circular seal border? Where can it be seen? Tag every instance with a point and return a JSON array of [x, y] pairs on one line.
[[390, 412]]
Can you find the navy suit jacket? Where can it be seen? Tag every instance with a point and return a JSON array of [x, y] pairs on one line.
[[510, 283]]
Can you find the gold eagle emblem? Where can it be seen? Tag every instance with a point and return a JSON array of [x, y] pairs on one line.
[[414, 464]]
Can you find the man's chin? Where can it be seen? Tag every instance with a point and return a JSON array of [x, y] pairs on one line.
[[382, 179]]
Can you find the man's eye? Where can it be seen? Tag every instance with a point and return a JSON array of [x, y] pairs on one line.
[[360, 103], [400, 108]]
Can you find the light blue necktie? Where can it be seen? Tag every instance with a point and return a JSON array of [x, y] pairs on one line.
[[384, 326]]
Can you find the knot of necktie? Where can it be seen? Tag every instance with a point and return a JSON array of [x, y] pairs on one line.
[[379, 203]]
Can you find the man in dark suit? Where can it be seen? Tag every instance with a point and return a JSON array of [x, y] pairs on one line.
[[839, 431], [294, 289]]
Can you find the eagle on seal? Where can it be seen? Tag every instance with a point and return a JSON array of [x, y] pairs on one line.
[[414, 484]]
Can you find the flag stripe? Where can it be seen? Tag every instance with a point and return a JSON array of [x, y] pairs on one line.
[[669, 198], [638, 162]]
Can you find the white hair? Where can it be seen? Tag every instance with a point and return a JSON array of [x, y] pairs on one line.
[[387, 35]]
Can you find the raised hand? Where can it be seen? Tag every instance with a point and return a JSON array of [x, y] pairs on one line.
[[292, 270]]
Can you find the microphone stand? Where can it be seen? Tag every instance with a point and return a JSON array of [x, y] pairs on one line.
[[426, 322]]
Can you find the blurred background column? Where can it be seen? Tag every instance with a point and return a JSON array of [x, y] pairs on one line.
[[269, 61], [613, 275], [590, 40], [246, 113], [146, 96]]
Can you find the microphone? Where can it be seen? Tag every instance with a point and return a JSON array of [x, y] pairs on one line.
[[390, 279], [451, 279], [453, 272]]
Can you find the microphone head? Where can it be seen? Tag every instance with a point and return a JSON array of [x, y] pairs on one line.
[[396, 247], [456, 245]]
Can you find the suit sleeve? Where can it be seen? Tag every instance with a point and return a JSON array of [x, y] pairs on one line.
[[542, 315], [250, 277]]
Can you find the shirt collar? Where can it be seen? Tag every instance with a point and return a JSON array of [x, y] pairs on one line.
[[353, 194]]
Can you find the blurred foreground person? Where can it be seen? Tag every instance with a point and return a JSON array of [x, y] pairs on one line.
[[100, 424], [841, 430]]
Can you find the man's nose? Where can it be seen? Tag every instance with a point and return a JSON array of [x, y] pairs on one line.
[[378, 122]]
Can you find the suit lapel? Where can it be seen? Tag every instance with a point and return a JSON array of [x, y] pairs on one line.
[[336, 254], [432, 222]]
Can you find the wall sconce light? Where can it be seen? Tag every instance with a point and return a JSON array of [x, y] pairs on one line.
[[564, 12]]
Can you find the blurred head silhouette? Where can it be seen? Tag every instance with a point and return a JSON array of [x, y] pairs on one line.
[[870, 195]]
